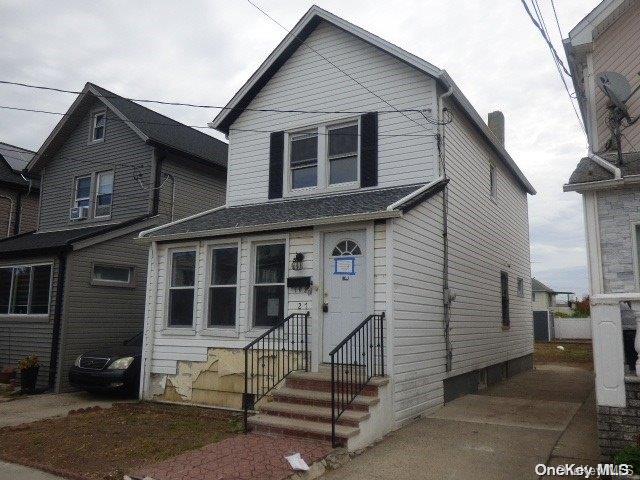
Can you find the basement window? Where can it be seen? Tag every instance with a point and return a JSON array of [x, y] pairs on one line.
[[182, 288]]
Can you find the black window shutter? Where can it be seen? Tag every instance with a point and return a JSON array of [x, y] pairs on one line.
[[369, 150], [276, 159]]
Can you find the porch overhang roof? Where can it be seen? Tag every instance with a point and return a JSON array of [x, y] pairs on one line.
[[373, 204]]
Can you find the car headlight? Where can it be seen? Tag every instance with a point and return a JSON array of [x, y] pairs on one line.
[[77, 362], [121, 363]]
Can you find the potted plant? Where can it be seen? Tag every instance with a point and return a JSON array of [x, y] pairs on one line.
[[29, 367], [7, 374]]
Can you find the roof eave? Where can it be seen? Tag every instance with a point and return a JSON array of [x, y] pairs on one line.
[[360, 217], [602, 184]]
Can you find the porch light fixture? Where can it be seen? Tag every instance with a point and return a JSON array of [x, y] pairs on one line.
[[297, 261]]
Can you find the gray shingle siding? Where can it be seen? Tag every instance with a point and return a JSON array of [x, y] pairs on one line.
[[95, 316], [21, 336], [122, 151], [617, 210]]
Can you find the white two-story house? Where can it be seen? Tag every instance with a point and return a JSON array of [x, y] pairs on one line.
[[371, 261]]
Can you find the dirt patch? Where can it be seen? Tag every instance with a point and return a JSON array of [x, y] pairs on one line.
[[575, 354], [106, 443]]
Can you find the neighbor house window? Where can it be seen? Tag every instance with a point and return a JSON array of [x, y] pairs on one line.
[[112, 275], [25, 289], [533, 296], [504, 296], [493, 181], [82, 196], [97, 130], [303, 148], [104, 194], [223, 288], [343, 154], [520, 287], [268, 290], [182, 289]]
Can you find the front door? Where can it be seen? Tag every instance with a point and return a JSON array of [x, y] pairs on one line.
[[345, 286]]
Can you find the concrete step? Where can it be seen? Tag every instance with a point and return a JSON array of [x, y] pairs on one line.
[[320, 398], [322, 381], [300, 428], [313, 413]]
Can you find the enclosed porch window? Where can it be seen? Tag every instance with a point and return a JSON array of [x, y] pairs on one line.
[[25, 289], [269, 280]]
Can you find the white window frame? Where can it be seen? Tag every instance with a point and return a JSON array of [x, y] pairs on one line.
[[113, 283], [252, 277], [75, 190], [219, 330], [290, 139], [493, 181], [190, 329], [322, 184], [31, 266], [97, 192], [94, 124], [520, 286]]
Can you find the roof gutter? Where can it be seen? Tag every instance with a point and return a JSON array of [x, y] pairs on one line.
[[617, 173], [415, 193]]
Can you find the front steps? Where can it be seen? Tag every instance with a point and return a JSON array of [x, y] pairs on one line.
[[302, 407]]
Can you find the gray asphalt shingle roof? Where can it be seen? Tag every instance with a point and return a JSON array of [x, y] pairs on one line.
[[167, 131], [13, 160], [538, 286], [279, 213], [589, 171], [34, 241]]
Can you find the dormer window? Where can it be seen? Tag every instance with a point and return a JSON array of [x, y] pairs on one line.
[[324, 157], [98, 126]]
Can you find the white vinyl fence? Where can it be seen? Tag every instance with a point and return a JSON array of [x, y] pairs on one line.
[[570, 328]]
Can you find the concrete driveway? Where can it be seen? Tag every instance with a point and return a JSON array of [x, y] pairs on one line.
[[544, 416], [39, 407]]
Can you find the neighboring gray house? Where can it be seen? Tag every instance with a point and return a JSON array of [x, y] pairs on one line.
[[607, 40], [18, 193], [543, 302], [109, 169], [335, 227]]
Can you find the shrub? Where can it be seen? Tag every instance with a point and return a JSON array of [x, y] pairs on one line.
[[29, 362], [629, 455]]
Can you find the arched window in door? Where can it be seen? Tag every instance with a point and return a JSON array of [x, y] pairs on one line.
[[346, 247]]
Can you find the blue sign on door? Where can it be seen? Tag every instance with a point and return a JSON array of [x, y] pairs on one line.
[[344, 266]]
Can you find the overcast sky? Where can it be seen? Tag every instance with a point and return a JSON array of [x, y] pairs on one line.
[[203, 51]]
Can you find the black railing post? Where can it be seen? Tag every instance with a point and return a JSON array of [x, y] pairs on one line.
[[306, 341], [245, 397], [382, 342], [333, 403]]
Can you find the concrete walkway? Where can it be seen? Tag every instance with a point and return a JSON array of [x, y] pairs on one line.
[[38, 407], [544, 416], [11, 471]]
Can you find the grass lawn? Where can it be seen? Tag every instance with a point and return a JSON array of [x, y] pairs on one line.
[[107, 443], [574, 353]]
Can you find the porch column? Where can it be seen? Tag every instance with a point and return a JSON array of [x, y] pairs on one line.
[[608, 352]]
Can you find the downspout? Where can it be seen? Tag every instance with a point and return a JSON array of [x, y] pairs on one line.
[[57, 320], [446, 294], [10, 213], [16, 224]]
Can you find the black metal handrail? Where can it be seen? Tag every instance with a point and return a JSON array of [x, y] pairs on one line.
[[354, 362], [272, 356]]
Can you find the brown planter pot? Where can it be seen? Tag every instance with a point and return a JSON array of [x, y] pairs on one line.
[[28, 379]]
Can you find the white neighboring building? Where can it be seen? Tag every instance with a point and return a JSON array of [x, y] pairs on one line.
[[333, 240]]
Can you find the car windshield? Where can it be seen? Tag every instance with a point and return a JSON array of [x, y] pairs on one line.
[[135, 341]]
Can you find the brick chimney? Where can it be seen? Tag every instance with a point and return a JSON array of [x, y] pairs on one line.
[[496, 125]]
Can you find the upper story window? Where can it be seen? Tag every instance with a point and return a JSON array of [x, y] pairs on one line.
[[104, 194], [520, 287], [325, 157], [493, 181], [82, 197], [303, 148], [98, 126]]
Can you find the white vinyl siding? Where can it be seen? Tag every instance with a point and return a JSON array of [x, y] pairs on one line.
[[307, 82], [477, 254]]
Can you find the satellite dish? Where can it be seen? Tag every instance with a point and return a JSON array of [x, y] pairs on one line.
[[617, 88]]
